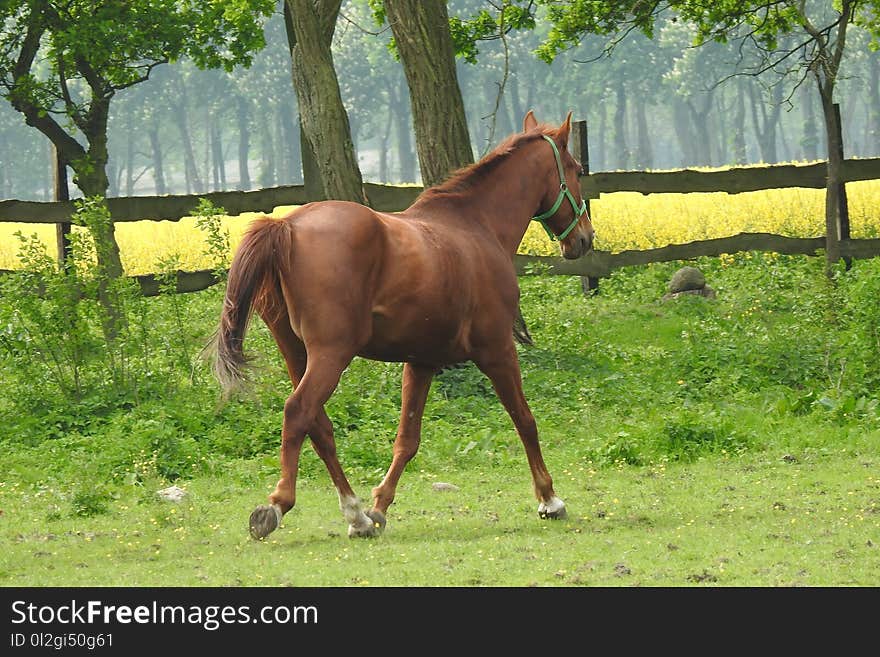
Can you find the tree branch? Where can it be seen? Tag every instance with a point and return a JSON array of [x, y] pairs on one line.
[[29, 48], [72, 109], [141, 78]]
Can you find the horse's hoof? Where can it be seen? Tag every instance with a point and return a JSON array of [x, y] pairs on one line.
[[378, 519], [372, 525], [552, 510], [265, 520]]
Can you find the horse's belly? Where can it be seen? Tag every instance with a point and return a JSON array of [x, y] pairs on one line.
[[432, 340]]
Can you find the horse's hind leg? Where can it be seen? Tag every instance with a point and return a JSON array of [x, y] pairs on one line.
[[360, 524], [266, 518], [503, 370], [416, 383], [304, 413]]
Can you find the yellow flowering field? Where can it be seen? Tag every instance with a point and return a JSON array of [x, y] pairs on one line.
[[630, 220], [623, 220]]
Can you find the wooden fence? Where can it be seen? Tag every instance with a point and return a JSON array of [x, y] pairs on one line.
[[593, 266]]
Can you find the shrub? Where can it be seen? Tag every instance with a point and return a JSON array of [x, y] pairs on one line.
[[693, 433]]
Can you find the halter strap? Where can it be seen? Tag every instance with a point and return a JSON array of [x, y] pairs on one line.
[[563, 194]]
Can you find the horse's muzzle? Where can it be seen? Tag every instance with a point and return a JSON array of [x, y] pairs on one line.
[[579, 246]]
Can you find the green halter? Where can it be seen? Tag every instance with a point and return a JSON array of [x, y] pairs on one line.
[[563, 193]]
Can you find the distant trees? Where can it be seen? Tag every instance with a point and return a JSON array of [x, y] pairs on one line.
[[651, 102]]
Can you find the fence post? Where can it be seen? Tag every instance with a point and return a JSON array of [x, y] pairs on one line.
[[61, 192], [842, 203], [581, 150]]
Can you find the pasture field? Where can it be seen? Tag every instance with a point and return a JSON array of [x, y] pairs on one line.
[[623, 220], [726, 442]]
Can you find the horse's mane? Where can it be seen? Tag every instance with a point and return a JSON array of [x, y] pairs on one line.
[[468, 177]]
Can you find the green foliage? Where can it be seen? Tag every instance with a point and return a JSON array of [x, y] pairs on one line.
[[89, 502], [574, 19], [483, 25], [56, 331], [208, 219], [70, 58], [691, 434], [762, 24], [116, 44]]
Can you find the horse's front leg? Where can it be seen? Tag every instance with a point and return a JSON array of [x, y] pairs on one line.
[[502, 368], [416, 383]]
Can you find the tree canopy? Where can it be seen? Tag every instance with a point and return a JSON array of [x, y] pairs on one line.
[[70, 57]]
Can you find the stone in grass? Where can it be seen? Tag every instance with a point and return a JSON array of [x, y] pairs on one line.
[[172, 494], [443, 486], [688, 280]]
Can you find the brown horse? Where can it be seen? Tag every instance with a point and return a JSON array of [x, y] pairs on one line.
[[430, 286]]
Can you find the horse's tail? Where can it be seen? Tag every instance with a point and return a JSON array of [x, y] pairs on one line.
[[254, 272]]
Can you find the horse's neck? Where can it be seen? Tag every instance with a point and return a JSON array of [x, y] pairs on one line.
[[503, 202]]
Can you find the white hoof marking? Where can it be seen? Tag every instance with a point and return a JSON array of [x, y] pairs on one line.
[[359, 524], [552, 509]]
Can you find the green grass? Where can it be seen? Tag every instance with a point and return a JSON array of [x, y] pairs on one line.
[[748, 521], [727, 442]]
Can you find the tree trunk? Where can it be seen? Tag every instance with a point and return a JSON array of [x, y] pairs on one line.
[[207, 161], [217, 165], [289, 147], [311, 175], [310, 26], [765, 122], [718, 131], [244, 145], [384, 138], [129, 156], [600, 159], [403, 129], [874, 102], [156, 150], [739, 126], [684, 132], [91, 178], [699, 117], [296, 149], [621, 141], [281, 162], [645, 152], [505, 123], [267, 150], [421, 32], [835, 168], [191, 171], [810, 136], [519, 111]]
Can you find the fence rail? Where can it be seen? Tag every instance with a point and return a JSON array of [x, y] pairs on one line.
[[391, 198], [595, 265], [732, 181]]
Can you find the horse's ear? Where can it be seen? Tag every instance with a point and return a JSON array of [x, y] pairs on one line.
[[564, 131], [530, 122]]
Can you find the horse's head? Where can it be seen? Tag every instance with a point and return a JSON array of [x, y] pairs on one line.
[[562, 211]]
